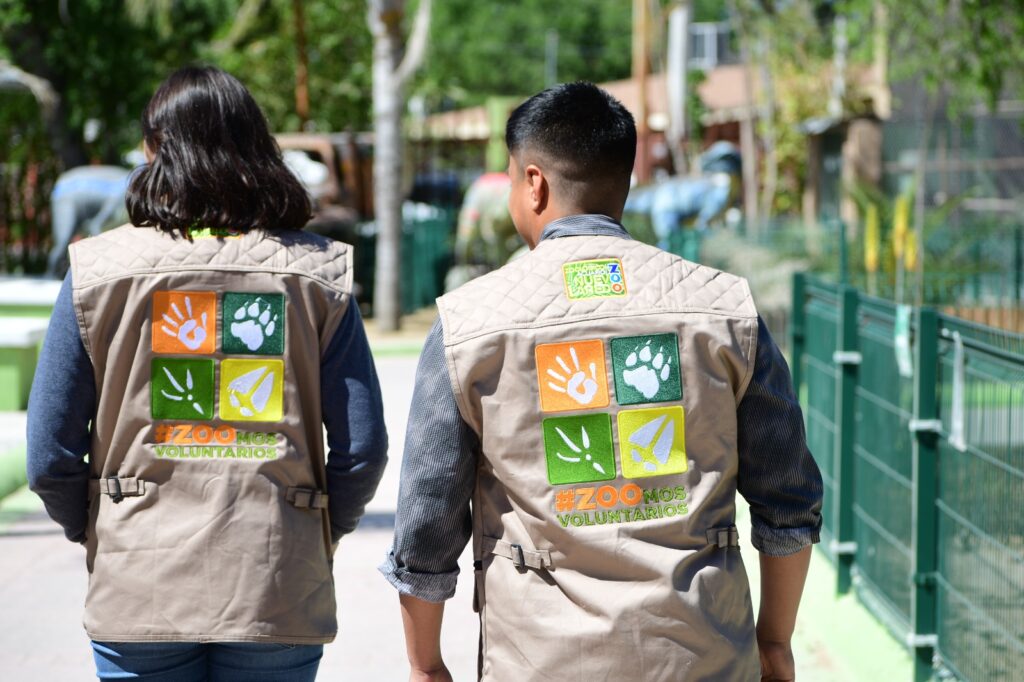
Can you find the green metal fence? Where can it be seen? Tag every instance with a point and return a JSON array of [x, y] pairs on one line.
[[924, 473], [426, 256]]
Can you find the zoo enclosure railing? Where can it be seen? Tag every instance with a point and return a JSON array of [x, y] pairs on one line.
[[923, 472]]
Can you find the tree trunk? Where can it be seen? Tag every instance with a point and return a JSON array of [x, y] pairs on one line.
[[769, 138], [640, 71], [391, 71], [301, 65], [387, 163], [748, 143], [27, 51], [678, 71], [748, 148]]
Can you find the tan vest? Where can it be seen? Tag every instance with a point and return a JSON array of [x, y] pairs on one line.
[[208, 514], [602, 376]]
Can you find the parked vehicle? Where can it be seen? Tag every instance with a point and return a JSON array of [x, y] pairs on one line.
[[343, 196]]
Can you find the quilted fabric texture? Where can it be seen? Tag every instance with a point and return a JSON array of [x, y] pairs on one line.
[[530, 291], [129, 250]]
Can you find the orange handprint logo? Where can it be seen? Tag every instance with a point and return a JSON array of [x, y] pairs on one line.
[[572, 376], [184, 322]]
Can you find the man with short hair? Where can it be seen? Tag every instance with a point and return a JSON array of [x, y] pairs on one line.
[[587, 414]]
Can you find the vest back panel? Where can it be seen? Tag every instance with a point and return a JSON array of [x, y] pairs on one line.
[[607, 420], [207, 365]]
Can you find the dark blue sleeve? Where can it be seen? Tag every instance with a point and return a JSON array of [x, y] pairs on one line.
[[61, 407], [777, 474], [353, 413]]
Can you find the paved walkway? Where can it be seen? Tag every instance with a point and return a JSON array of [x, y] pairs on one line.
[[43, 581]]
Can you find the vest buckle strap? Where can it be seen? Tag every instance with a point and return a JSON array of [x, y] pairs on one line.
[[521, 557], [117, 487], [724, 537], [306, 498]]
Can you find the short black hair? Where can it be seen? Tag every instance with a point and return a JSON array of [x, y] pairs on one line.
[[586, 136], [215, 162]]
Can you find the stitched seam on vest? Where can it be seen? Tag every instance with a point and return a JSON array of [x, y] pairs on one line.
[[339, 287], [326, 335], [76, 303], [442, 311], [750, 359], [457, 300], [189, 637], [586, 317], [460, 398], [349, 270], [83, 330]]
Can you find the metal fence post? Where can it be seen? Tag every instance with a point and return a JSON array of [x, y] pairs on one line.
[[1018, 263], [848, 358], [798, 321], [844, 255], [926, 426]]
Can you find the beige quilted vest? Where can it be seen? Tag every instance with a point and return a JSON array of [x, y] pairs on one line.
[[602, 376], [208, 514]]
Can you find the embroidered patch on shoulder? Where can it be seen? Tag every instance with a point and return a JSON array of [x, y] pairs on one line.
[[253, 324], [594, 279], [579, 449], [646, 369], [181, 388], [652, 442], [572, 375], [184, 322], [251, 390]]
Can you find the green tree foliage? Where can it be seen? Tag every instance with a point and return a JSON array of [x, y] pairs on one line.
[[972, 50], [105, 59], [339, 48], [479, 48], [103, 64]]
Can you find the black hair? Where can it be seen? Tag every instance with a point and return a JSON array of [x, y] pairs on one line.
[[586, 137], [215, 163]]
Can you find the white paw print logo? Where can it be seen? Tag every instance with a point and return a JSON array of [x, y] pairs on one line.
[[646, 371], [188, 330], [576, 384], [580, 451], [253, 323]]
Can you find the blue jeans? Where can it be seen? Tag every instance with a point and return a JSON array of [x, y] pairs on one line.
[[218, 662]]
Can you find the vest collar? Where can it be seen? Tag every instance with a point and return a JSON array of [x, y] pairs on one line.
[[585, 224]]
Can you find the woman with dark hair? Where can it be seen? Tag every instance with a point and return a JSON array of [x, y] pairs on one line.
[[176, 419]]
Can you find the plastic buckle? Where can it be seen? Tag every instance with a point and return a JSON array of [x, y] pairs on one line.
[[728, 537], [118, 495], [518, 558]]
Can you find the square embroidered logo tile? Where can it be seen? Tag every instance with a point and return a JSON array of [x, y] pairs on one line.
[[579, 448], [182, 388], [184, 322], [652, 442], [646, 369], [571, 376], [253, 324], [251, 390]]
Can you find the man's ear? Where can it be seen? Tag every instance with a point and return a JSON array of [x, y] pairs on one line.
[[540, 191]]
